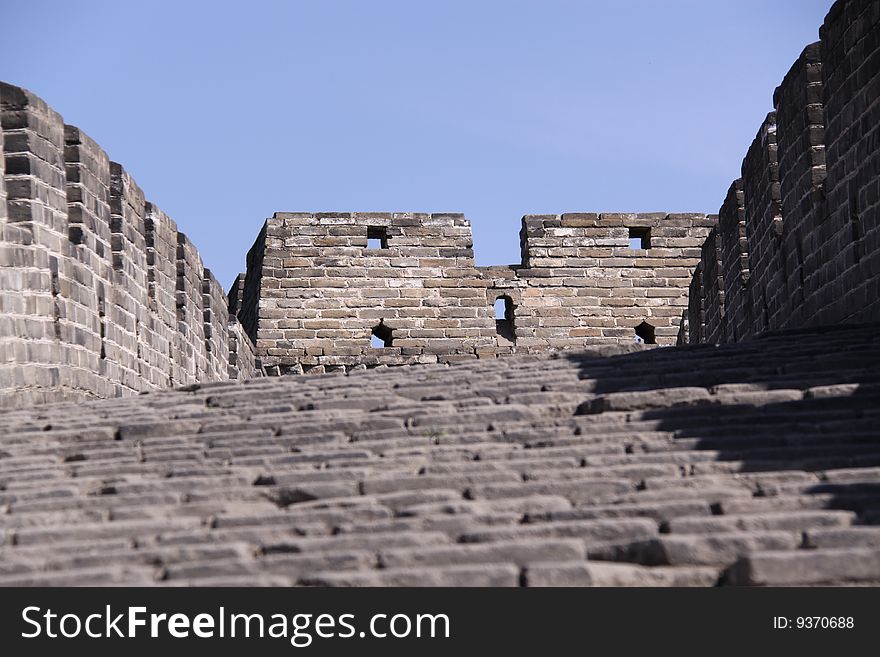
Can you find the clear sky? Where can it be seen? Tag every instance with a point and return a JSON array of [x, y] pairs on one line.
[[225, 112]]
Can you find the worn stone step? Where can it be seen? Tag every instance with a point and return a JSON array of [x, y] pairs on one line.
[[588, 573], [106, 575], [658, 511], [592, 532], [785, 520], [756, 482], [845, 537], [460, 482], [501, 574], [635, 473], [721, 549], [578, 491], [374, 541], [453, 525], [149, 556], [811, 501], [516, 552], [533, 505], [764, 445], [807, 567]]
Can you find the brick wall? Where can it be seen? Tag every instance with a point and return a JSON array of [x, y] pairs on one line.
[[90, 290], [734, 256], [763, 209], [190, 310], [802, 247], [87, 172], [242, 361], [36, 243], [696, 314], [801, 153], [712, 288], [215, 313], [247, 290], [321, 286], [101, 295], [583, 284], [847, 288], [161, 242]]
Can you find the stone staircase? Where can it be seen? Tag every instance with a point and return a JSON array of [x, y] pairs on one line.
[[749, 464]]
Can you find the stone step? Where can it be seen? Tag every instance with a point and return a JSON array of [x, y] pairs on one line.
[[807, 567], [689, 461], [591, 532], [785, 520], [589, 573], [521, 553], [845, 537], [657, 511], [721, 549], [500, 574]]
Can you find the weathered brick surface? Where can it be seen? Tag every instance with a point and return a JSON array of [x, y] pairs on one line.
[[735, 274], [713, 288], [88, 274], [103, 296], [696, 312], [801, 154], [190, 310], [754, 463], [215, 309], [805, 250], [764, 220], [35, 242], [242, 360], [2, 184], [317, 287], [89, 289], [323, 291], [585, 285], [847, 285]]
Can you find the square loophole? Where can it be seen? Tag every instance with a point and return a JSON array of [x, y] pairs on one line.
[[640, 238], [377, 237]]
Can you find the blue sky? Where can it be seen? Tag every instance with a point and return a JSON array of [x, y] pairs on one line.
[[225, 112]]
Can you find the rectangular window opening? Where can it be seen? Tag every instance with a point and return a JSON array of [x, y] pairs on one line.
[[500, 309], [640, 238], [382, 336], [504, 318], [377, 237]]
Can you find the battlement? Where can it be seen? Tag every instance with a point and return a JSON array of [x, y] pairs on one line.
[[799, 240], [336, 290], [100, 294]]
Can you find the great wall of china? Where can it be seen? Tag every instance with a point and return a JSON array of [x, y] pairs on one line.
[[100, 294], [798, 237], [103, 296], [749, 454]]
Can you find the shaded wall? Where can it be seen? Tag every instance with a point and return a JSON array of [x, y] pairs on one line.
[[801, 246]]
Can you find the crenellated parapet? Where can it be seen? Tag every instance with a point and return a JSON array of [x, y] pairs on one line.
[[800, 236], [100, 295], [735, 273], [340, 290]]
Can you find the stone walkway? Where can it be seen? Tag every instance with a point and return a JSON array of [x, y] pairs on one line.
[[756, 464]]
